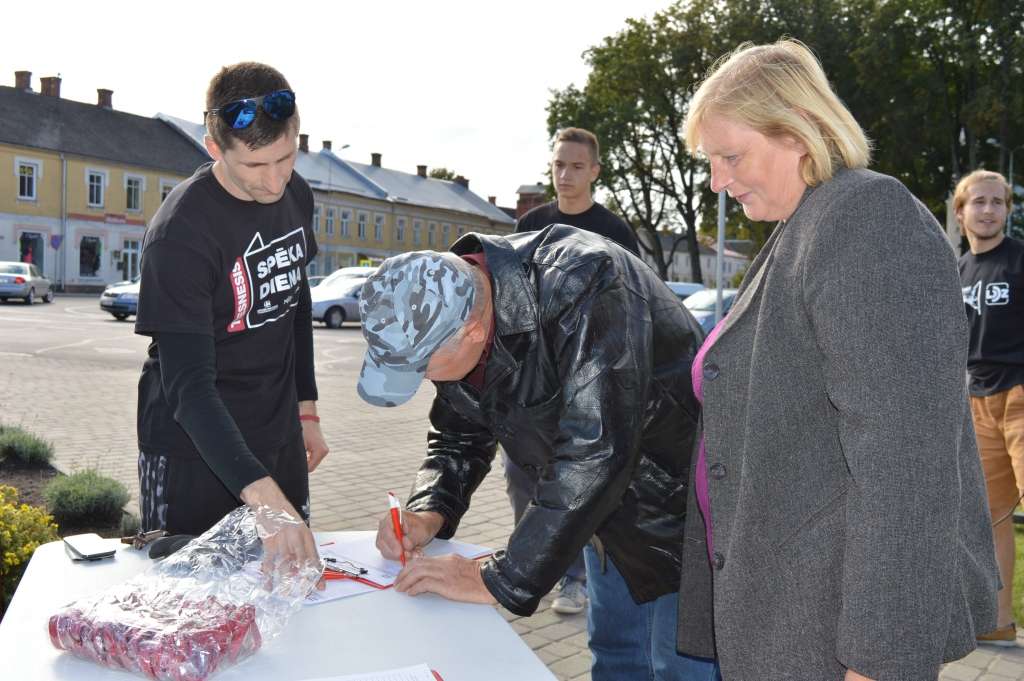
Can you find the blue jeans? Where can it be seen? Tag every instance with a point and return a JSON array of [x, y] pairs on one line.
[[635, 642]]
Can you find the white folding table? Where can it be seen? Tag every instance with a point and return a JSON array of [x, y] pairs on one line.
[[366, 633]]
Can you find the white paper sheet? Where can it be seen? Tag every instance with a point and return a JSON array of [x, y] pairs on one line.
[[362, 553]]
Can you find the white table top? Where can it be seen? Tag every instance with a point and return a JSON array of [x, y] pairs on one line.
[[463, 642]]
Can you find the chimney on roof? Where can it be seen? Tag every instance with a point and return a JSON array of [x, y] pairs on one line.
[[105, 98], [51, 86], [493, 200], [303, 142], [459, 179], [421, 171], [375, 159], [23, 80], [327, 145]]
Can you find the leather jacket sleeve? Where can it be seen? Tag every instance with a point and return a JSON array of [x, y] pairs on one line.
[[459, 455], [602, 343]]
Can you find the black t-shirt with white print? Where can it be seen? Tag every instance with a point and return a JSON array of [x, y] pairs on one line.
[[218, 266], [993, 287]]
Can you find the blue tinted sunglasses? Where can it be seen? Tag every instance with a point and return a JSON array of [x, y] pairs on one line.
[[238, 115]]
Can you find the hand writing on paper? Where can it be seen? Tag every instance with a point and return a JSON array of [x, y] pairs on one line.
[[418, 528], [454, 577]]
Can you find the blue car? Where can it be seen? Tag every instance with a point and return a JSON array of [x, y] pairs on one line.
[[702, 305], [121, 299]]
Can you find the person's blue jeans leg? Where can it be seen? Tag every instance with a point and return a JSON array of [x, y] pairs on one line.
[[630, 641]]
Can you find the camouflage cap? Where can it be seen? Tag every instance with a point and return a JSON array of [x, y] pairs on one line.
[[409, 307]]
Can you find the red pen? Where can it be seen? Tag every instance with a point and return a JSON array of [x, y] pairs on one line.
[[396, 521]]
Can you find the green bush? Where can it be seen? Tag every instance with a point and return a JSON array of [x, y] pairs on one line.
[[22, 445], [85, 498], [22, 529]]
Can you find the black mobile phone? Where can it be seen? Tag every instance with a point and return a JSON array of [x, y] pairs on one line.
[[88, 547]]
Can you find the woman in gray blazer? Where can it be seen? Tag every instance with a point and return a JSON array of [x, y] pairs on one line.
[[845, 533]]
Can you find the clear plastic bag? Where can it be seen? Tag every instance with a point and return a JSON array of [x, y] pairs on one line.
[[210, 604]]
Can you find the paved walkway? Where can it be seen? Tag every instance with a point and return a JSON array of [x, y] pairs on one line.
[[69, 373]]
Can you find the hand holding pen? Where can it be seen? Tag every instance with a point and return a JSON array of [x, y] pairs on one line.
[[417, 529]]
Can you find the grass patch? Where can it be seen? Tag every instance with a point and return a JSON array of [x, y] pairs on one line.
[[86, 498], [22, 445]]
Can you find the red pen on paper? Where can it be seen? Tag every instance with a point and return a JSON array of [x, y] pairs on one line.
[[396, 522]]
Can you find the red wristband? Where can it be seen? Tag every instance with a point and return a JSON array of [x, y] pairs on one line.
[[309, 417]]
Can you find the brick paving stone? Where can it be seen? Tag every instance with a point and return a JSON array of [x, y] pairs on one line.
[[980, 658], [569, 667], [559, 648], [556, 632], [959, 672], [1010, 668], [997, 677]]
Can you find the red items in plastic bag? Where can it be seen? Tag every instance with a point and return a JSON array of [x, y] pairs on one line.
[[210, 604], [202, 636]]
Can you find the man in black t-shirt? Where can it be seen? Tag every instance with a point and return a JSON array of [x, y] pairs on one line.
[[227, 397], [575, 165], [992, 275]]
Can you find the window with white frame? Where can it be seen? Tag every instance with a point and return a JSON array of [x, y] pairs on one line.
[[446, 230], [165, 188], [400, 229], [378, 228], [96, 184], [361, 225], [431, 228], [329, 225], [417, 231], [346, 218], [29, 173], [134, 186], [316, 218]]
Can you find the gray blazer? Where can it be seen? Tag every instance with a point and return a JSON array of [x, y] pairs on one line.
[[850, 520]]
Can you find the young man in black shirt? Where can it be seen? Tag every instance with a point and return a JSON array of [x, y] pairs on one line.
[[227, 397], [992, 274], [575, 165]]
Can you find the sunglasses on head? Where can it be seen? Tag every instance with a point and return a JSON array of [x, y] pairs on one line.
[[279, 105]]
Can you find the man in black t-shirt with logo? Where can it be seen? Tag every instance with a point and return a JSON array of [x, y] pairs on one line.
[[575, 165], [992, 275], [227, 397]]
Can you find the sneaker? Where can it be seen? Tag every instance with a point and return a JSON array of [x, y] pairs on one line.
[[572, 597], [1003, 636]]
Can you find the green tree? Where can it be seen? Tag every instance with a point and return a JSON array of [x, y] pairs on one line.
[[442, 173]]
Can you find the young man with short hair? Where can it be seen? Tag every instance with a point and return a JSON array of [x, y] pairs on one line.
[[575, 165], [227, 397], [992, 275]]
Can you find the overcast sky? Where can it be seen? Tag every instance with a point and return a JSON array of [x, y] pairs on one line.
[[457, 84]]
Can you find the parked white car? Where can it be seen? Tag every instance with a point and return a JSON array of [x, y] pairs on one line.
[[121, 299]]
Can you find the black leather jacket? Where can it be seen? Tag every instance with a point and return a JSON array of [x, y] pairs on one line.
[[588, 388]]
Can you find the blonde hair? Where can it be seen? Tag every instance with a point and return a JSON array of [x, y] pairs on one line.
[[781, 90], [968, 181]]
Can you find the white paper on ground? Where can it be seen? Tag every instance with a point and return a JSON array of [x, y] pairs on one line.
[[420, 672]]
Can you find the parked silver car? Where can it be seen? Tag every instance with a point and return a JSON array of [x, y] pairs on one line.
[[23, 280], [336, 302]]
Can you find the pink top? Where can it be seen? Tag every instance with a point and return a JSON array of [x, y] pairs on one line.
[[701, 483]]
